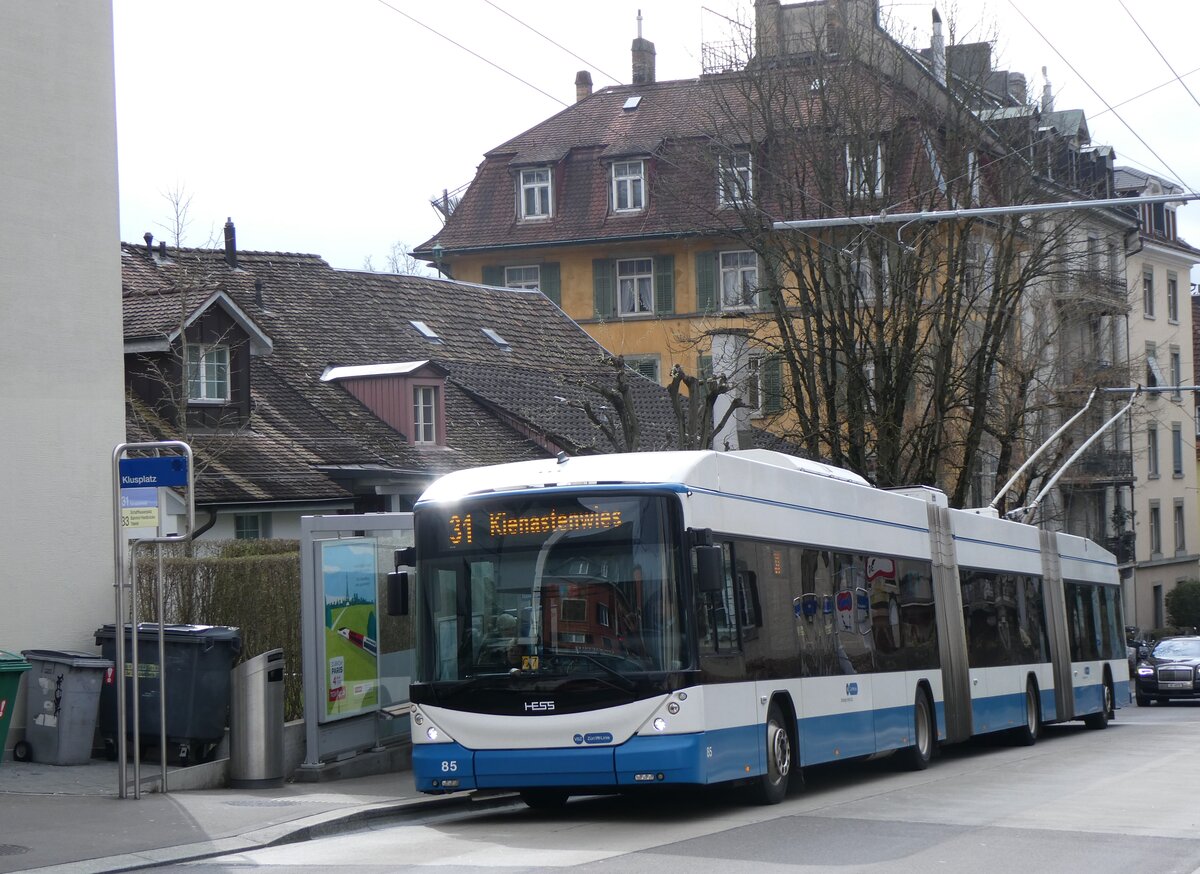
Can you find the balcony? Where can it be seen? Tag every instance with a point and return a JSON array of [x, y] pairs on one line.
[[1095, 290], [1097, 372], [1101, 466]]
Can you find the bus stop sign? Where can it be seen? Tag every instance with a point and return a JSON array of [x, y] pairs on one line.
[[161, 472]]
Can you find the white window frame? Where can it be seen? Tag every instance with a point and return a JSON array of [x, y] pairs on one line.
[[1152, 452], [737, 271], [735, 178], [857, 181], [1180, 528], [206, 372], [425, 414], [521, 277], [1148, 294], [1172, 297], [634, 275], [1176, 371], [1155, 529], [243, 522], [629, 183], [537, 185]]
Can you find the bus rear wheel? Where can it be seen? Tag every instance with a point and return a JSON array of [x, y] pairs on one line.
[[1027, 735], [772, 787], [920, 754], [1100, 720]]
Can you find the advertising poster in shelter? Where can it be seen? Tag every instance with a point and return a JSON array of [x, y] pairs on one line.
[[349, 575]]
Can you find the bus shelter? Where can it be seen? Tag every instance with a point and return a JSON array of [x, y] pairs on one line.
[[357, 654]]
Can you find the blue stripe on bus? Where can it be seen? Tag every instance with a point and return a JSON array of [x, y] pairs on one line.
[[816, 510], [433, 763]]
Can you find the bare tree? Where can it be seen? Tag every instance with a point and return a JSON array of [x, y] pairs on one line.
[[905, 351], [400, 260]]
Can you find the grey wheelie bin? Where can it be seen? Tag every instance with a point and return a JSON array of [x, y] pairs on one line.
[[62, 695], [195, 677]]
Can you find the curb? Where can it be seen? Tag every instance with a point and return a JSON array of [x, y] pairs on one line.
[[297, 831]]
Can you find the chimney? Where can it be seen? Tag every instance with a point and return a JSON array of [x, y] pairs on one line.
[[1047, 94], [583, 85], [162, 249], [258, 295], [230, 244], [149, 238], [643, 58], [937, 48]]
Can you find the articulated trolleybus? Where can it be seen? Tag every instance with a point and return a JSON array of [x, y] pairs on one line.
[[598, 624]]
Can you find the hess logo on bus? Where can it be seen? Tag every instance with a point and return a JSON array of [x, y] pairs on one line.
[[539, 706]]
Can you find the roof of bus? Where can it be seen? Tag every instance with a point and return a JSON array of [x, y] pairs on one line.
[[696, 468]]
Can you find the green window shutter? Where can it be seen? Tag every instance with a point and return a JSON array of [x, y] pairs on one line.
[[772, 384], [706, 282], [768, 276], [493, 275], [550, 282], [664, 284], [704, 367], [604, 288]]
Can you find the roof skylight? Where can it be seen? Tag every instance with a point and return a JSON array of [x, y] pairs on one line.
[[425, 331], [495, 338], [632, 103]]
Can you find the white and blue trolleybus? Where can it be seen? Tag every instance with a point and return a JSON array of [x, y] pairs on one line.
[[600, 623]]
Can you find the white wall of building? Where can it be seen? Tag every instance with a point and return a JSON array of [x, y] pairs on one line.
[[1168, 333], [61, 380]]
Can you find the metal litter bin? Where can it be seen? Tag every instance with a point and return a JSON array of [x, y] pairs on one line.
[[11, 668], [256, 722], [62, 695], [196, 680]]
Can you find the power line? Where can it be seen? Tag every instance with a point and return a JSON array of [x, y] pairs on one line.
[[552, 42], [472, 52], [1084, 80], [1160, 54]]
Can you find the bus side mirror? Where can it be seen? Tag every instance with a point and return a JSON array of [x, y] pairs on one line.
[[397, 581], [709, 568], [397, 593]]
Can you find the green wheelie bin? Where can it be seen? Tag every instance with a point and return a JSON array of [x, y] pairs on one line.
[[11, 668]]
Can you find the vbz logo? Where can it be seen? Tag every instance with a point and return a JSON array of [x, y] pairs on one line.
[[539, 706]]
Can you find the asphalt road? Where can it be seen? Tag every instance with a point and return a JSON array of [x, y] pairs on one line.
[[1125, 799]]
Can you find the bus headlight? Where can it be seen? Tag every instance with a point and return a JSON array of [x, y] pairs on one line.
[[431, 733], [660, 724]]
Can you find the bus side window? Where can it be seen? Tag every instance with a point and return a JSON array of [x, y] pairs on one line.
[[717, 614]]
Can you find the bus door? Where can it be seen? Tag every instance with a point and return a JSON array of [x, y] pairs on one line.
[[1056, 625], [731, 716]]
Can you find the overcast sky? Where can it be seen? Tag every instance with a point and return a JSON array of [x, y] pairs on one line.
[[326, 126]]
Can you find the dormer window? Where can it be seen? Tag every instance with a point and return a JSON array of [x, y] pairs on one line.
[[207, 368], [628, 186], [425, 405], [864, 169], [734, 179], [535, 193]]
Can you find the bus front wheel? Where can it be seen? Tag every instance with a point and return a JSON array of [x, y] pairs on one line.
[[771, 787], [920, 754]]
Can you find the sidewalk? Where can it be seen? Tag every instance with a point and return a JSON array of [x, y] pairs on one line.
[[70, 818]]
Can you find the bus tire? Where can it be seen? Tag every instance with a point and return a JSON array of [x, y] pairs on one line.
[[772, 786], [1100, 720], [1027, 735], [918, 756], [544, 799]]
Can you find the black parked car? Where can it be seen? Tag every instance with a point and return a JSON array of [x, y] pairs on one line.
[[1170, 670]]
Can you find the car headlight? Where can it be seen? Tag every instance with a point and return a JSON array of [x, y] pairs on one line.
[[1145, 671]]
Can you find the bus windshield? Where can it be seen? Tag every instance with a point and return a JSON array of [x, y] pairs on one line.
[[548, 586]]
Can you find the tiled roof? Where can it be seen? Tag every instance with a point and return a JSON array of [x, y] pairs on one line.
[[500, 403]]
